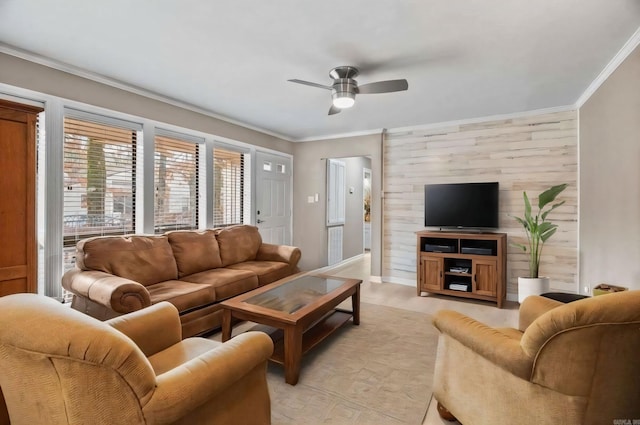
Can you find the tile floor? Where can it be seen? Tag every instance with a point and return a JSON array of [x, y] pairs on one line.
[[403, 296]]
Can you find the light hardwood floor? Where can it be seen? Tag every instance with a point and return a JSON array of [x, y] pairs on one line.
[[403, 296]]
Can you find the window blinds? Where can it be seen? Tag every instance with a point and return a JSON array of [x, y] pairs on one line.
[[99, 177], [176, 183], [228, 184]]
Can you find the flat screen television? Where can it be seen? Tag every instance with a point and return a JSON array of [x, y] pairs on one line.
[[461, 205]]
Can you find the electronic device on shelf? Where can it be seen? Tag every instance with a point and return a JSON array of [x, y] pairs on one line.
[[460, 286], [476, 250], [439, 248], [461, 205], [459, 269]]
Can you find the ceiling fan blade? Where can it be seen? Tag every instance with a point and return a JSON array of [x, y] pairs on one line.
[[308, 83], [383, 87], [333, 110]]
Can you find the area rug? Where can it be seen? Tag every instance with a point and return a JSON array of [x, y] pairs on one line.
[[377, 373]]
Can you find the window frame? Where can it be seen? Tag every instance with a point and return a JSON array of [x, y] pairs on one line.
[[118, 125]]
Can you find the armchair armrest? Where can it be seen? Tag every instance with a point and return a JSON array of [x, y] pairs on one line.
[[493, 345], [119, 294], [533, 307], [181, 390], [283, 253], [153, 329]]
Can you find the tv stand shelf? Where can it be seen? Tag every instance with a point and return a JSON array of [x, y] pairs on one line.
[[468, 265]]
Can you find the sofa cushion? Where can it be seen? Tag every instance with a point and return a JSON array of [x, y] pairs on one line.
[[238, 243], [194, 251], [267, 271], [143, 259], [227, 283], [184, 296]]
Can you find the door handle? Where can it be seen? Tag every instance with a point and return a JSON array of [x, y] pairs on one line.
[[259, 221]]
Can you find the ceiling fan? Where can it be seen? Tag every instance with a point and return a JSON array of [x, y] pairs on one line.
[[345, 88]]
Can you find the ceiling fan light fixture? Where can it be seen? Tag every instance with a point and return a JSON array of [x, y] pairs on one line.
[[343, 99]]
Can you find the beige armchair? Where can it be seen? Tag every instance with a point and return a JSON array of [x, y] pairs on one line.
[[569, 364], [59, 366]]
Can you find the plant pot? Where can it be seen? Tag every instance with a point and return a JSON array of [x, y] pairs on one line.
[[532, 286]]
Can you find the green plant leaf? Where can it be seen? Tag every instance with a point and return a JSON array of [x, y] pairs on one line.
[[544, 215], [546, 235], [550, 194], [521, 221], [527, 207], [519, 245]]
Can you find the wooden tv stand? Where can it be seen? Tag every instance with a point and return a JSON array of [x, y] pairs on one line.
[[468, 265]]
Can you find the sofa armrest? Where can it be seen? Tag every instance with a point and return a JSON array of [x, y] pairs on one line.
[[186, 387], [493, 345], [282, 253], [533, 307], [119, 294], [153, 329]]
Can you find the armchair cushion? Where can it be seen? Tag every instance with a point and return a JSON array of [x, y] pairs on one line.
[[153, 329]]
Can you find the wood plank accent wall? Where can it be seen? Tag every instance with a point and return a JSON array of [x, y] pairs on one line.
[[529, 153]]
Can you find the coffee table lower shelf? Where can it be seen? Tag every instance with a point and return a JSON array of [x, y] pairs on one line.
[[312, 336]]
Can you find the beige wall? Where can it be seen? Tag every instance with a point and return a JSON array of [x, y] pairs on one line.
[[29, 75], [610, 180], [528, 153], [309, 171]]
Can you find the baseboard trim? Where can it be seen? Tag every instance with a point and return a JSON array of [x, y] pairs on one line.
[[340, 264], [399, 280]]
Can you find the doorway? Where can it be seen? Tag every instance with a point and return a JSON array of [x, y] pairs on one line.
[[366, 213], [350, 236]]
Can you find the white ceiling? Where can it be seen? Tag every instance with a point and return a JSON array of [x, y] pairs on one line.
[[462, 58]]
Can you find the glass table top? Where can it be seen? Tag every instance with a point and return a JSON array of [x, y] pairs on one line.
[[296, 294]]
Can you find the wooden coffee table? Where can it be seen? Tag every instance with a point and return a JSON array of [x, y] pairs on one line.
[[303, 306]]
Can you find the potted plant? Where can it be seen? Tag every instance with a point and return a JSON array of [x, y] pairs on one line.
[[538, 230]]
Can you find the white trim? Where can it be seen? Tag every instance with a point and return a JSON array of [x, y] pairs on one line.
[[476, 120], [624, 52], [399, 280], [160, 131], [83, 115], [375, 279], [22, 100], [99, 78], [339, 135], [53, 197], [340, 264]]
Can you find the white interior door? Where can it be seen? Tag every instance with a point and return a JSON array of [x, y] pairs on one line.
[[336, 209], [273, 198]]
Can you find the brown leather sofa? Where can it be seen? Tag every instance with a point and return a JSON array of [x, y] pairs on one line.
[[62, 367], [570, 364], [193, 270]]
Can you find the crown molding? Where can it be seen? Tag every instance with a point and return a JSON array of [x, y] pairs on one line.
[[622, 54], [99, 78], [340, 135]]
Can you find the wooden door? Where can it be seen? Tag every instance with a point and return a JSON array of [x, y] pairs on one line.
[[18, 256], [431, 271], [485, 277]]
